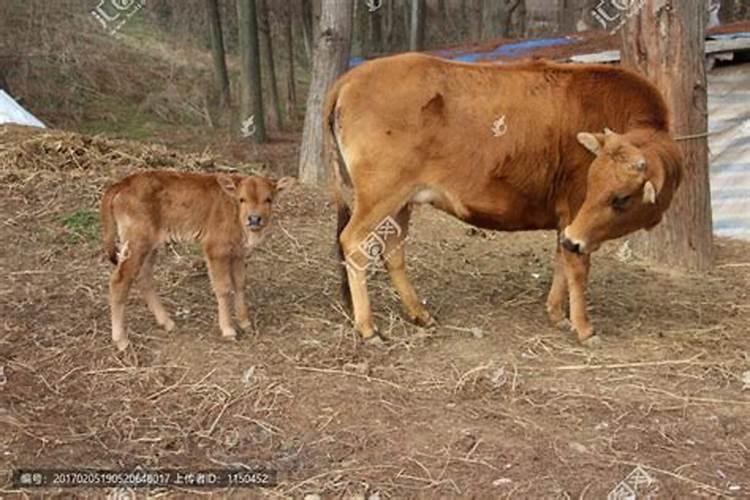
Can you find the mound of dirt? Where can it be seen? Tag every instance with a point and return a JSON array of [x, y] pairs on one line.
[[28, 148]]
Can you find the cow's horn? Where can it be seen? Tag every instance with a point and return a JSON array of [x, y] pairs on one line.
[[649, 192]]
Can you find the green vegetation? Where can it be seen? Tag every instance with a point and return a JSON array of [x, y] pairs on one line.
[[81, 225]]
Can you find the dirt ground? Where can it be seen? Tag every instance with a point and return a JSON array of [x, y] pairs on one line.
[[493, 403]]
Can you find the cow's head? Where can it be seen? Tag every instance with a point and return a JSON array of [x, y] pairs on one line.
[[627, 189], [254, 197]]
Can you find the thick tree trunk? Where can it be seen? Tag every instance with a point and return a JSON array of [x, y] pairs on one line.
[[291, 101], [307, 28], [569, 14], [376, 31], [251, 103], [330, 60], [416, 28], [267, 42], [665, 41], [221, 77], [496, 17], [359, 35]]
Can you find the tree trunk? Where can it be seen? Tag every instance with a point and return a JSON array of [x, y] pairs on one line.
[[569, 10], [359, 36], [376, 31], [496, 16], [307, 29], [267, 42], [726, 11], [416, 30], [251, 103], [291, 101], [330, 60], [665, 41], [217, 51]]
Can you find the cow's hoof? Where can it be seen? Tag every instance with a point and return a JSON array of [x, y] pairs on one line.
[[592, 342], [168, 325], [245, 325], [556, 315], [229, 334], [376, 340], [565, 324], [122, 344]]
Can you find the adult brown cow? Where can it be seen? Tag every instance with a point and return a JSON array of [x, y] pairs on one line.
[[503, 147]]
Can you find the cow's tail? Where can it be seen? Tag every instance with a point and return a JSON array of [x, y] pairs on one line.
[[109, 225], [339, 177]]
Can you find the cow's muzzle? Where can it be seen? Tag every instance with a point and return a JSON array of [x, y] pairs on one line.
[[571, 246], [255, 222]]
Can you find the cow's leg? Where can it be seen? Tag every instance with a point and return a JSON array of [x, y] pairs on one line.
[[146, 283], [220, 273], [238, 281], [395, 262], [361, 243], [576, 273], [558, 289], [128, 267]]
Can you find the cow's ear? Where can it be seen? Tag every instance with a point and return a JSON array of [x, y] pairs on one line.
[[228, 184], [592, 142], [285, 183]]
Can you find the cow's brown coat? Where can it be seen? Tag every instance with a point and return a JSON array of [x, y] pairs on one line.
[[413, 128], [147, 209]]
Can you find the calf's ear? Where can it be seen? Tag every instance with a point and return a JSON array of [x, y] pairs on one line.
[[228, 184], [285, 183], [592, 142]]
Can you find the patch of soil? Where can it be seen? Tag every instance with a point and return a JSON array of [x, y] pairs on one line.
[[493, 403]]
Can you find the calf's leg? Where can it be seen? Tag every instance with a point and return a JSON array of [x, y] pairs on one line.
[[395, 262], [220, 273], [146, 283], [128, 267], [576, 273], [238, 282]]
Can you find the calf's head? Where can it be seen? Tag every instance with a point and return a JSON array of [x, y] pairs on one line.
[[628, 187], [253, 196]]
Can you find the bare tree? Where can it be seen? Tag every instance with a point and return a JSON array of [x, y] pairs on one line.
[[266, 39], [251, 92], [416, 29], [665, 41], [217, 51], [496, 17], [307, 28], [330, 60], [291, 100]]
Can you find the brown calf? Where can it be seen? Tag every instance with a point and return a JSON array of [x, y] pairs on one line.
[[225, 213], [505, 147]]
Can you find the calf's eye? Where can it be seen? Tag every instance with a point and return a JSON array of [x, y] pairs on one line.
[[619, 203], [269, 200], [242, 200]]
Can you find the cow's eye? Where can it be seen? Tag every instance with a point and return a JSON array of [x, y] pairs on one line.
[[619, 203], [242, 200], [269, 200]]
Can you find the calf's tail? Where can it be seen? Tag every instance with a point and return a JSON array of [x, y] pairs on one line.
[[108, 225]]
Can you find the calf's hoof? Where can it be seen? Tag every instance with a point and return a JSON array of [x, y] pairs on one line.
[[423, 319], [168, 325], [592, 342], [245, 324], [121, 344], [565, 324], [585, 334], [555, 314]]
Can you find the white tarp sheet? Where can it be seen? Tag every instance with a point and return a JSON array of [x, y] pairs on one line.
[[12, 112]]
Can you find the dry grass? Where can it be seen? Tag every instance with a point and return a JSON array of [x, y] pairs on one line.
[[494, 403]]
